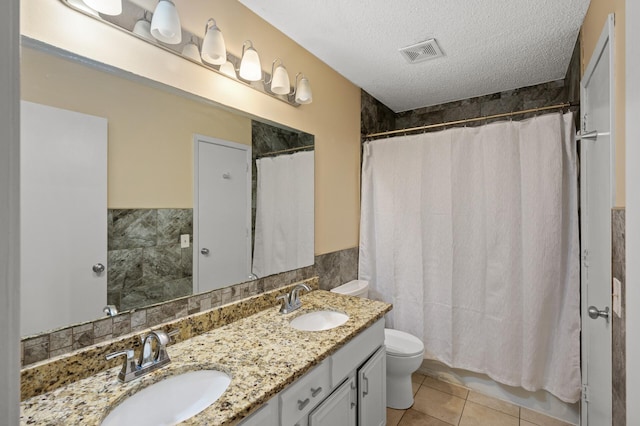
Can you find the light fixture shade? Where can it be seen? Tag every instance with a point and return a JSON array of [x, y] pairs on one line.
[[280, 81], [165, 24], [190, 50], [250, 68], [303, 91], [143, 29], [228, 69], [214, 50], [79, 4], [108, 7]]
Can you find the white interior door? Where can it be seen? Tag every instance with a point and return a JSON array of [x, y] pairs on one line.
[[63, 217], [597, 195], [222, 213]]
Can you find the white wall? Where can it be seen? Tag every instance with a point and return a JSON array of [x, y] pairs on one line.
[[633, 212], [9, 235]]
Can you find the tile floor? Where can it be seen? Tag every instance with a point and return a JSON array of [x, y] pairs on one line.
[[439, 403]]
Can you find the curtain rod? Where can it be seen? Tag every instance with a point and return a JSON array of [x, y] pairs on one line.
[[282, 151], [470, 120]]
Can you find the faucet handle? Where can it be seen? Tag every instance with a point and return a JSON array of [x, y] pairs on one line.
[[128, 367], [286, 303]]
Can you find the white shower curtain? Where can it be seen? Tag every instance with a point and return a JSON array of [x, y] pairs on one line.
[[472, 234], [284, 214]]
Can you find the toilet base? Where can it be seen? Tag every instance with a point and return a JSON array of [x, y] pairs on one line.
[[399, 392]]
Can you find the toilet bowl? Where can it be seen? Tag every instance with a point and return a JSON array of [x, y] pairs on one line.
[[404, 353]]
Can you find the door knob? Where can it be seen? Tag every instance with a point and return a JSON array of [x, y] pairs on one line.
[[595, 313], [205, 251], [98, 268]]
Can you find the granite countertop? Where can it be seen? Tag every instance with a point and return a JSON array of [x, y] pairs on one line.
[[262, 353]]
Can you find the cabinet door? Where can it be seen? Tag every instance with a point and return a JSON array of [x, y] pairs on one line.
[[338, 409], [372, 390]]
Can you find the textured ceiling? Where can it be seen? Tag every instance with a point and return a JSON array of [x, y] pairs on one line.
[[489, 45]]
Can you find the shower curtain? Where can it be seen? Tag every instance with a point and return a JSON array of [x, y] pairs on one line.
[[472, 234], [284, 238]]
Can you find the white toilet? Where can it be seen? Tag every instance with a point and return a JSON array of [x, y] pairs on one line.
[[404, 353]]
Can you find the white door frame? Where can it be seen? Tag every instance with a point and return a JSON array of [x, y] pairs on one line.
[[196, 185], [10, 212], [632, 215], [606, 39]]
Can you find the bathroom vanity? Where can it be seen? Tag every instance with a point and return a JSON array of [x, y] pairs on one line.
[[279, 375]]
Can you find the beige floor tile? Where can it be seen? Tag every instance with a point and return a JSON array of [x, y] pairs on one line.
[[415, 387], [394, 416], [456, 390], [417, 378], [495, 403], [526, 423], [540, 419], [438, 404], [416, 418], [479, 415]]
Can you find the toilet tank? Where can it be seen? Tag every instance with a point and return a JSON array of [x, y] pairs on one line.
[[358, 288]]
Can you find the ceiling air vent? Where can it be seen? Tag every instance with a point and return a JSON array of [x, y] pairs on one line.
[[422, 51]]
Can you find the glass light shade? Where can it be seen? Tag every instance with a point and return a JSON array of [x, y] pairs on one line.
[[250, 68], [228, 69], [108, 7], [214, 50], [190, 50], [79, 4], [303, 92], [165, 25], [143, 29], [280, 81]]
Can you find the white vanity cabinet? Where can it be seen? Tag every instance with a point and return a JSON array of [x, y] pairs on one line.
[[346, 389]]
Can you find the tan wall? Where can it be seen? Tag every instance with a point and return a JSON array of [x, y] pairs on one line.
[[591, 30], [333, 117], [150, 159]]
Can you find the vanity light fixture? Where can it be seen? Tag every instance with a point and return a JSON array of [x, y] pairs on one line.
[[165, 24], [228, 69], [190, 50], [279, 82], [302, 91], [108, 7], [214, 50], [250, 68], [143, 28]]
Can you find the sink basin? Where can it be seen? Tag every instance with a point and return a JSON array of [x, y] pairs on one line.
[[319, 320], [171, 400]]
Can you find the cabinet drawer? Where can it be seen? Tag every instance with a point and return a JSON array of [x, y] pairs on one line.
[[304, 395]]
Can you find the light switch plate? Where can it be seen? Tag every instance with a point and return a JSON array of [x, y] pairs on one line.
[[184, 240], [617, 297]]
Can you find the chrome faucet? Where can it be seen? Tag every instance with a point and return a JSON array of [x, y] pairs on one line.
[[152, 357], [291, 301]]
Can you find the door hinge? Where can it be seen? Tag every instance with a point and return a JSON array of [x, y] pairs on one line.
[[585, 393], [584, 122]]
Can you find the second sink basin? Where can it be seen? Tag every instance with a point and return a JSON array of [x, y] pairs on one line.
[[171, 400], [319, 320]]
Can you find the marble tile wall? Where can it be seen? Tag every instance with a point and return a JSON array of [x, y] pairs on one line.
[[333, 269], [618, 327], [145, 262]]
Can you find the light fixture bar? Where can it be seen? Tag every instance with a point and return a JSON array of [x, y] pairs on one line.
[[176, 49]]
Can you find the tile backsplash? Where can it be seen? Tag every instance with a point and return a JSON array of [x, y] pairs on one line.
[[333, 269]]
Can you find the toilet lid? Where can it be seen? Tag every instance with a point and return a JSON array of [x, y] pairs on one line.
[[399, 343]]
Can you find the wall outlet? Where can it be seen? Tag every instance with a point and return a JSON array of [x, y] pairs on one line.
[[185, 241], [617, 297]]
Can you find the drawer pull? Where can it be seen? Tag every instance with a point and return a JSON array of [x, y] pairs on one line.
[[316, 391], [302, 404]]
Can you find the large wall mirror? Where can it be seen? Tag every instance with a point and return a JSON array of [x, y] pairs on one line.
[[176, 171]]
